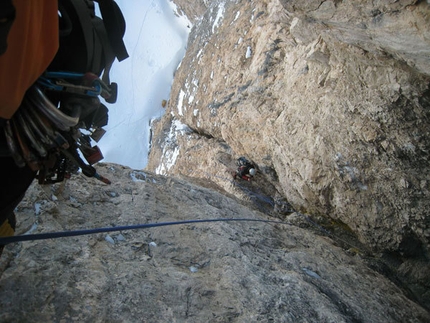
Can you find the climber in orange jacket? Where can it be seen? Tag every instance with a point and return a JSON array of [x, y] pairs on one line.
[[28, 43]]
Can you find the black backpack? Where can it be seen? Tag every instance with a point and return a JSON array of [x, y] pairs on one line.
[[88, 47], [89, 43]]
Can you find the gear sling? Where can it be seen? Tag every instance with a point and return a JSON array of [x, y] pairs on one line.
[[77, 76], [43, 135]]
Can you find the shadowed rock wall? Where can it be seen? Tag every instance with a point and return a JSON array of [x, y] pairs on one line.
[[331, 100]]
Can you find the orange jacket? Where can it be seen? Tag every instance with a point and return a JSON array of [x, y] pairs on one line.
[[32, 44]]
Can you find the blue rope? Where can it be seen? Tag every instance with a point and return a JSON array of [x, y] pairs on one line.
[[62, 234]]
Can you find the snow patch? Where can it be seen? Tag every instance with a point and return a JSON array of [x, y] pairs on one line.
[[138, 176], [195, 83], [182, 18], [190, 99], [169, 159], [180, 127], [219, 17], [248, 52], [171, 149], [237, 16], [180, 102], [156, 39]]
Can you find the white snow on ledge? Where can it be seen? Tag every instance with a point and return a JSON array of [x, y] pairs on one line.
[[219, 17], [168, 160], [248, 53], [171, 148], [181, 102]]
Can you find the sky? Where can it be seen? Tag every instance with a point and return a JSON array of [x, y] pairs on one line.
[[156, 41]]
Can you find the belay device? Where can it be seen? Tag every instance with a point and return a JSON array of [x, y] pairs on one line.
[[62, 112]]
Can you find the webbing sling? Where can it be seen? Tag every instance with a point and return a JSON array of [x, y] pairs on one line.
[[115, 27]]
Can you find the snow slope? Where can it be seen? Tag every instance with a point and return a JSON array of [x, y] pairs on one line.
[[156, 42]]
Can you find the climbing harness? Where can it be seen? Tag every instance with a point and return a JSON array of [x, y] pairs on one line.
[[54, 235]]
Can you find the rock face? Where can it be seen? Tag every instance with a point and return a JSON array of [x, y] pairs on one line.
[[206, 272], [330, 99]]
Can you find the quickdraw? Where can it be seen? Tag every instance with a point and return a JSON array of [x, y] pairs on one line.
[[82, 84], [47, 138]]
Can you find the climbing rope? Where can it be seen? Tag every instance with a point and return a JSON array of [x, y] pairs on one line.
[[63, 234], [73, 233]]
